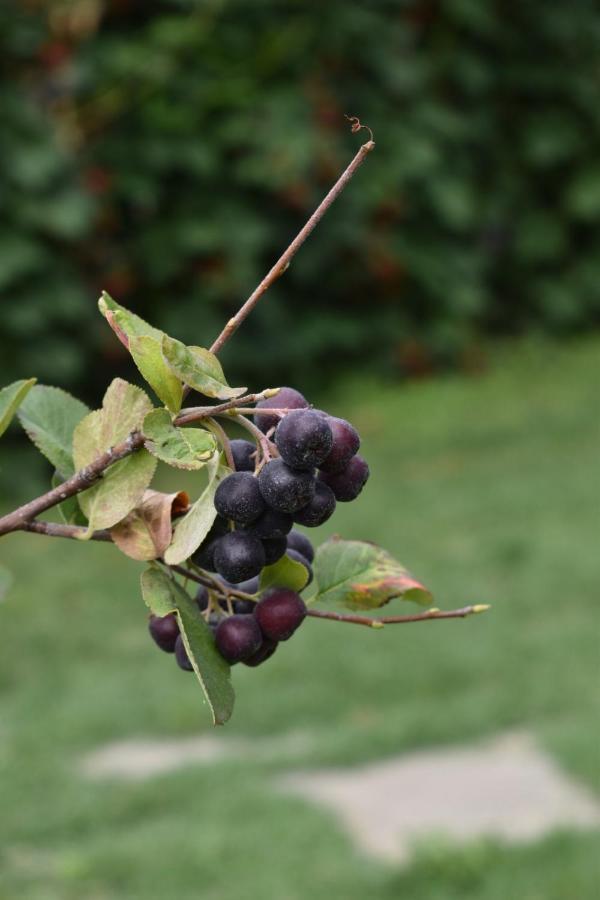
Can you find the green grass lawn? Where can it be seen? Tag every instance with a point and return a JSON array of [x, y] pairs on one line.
[[487, 488]]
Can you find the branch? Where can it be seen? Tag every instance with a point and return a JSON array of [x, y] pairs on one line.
[[87, 476], [284, 260], [75, 532], [398, 620]]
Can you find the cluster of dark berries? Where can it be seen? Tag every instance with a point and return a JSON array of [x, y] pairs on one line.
[[318, 464], [251, 631], [257, 505]]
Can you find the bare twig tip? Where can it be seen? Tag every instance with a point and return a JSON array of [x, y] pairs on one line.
[[356, 126]]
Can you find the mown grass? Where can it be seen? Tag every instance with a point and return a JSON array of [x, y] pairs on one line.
[[488, 489]]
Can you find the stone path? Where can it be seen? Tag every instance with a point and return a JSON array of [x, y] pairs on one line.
[[506, 787]]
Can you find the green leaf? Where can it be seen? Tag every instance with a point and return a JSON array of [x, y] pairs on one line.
[[148, 357], [144, 342], [11, 398], [362, 576], [6, 580], [123, 484], [183, 448], [286, 572], [199, 368], [163, 594], [192, 528], [157, 591], [49, 416], [69, 509]]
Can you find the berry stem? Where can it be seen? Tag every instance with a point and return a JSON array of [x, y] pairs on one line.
[[268, 450], [284, 260], [399, 620], [223, 440]]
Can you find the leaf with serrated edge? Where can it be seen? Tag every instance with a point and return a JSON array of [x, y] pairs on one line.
[[183, 448], [199, 368], [148, 357], [145, 532], [49, 415], [123, 484], [360, 575], [191, 530], [287, 573], [11, 398], [211, 670]]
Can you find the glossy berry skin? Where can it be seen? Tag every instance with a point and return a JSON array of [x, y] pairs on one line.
[[244, 455], [164, 631], [243, 607], [238, 497], [320, 508], [348, 484], [274, 549], [304, 439], [301, 544], [238, 637], [239, 556], [287, 398], [298, 557], [264, 652], [285, 489], [346, 444], [280, 613], [181, 656], [271, 524]]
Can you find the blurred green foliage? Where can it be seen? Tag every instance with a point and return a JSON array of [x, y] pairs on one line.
[[167, 150]]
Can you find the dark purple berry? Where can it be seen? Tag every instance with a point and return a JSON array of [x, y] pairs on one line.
[[304, 439], [301, 544], [164, 631], [183, 660], [285, 489], [271, 524], [250, 586], [238, 556], [287, 398], [264, 652], [280, 613], [274, 549], [346, 443], [238, 637], [243, 607], [298, 557], [202, 597], [348, 484], [238, 497], [203, 556], [320, 508], [244, 455]]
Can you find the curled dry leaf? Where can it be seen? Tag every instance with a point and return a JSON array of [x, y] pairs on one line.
[[146, 532]]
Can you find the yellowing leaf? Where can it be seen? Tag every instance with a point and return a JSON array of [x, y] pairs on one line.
[[363, 576], [145, 532], [122, 485]]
